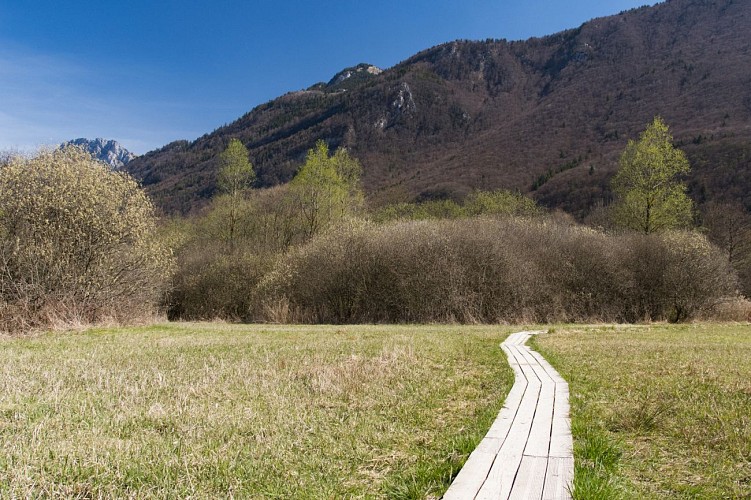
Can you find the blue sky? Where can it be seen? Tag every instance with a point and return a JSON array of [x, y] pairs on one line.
[[146, 73]]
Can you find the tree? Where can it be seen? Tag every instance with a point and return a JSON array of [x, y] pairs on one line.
[[326, 188], [236, 174], [78, 243], [234, 180], [650, 195]]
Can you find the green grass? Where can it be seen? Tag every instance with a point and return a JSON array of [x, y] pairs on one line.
[[208, 410], [658, 412]]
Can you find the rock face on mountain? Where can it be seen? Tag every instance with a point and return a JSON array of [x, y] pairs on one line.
[[546, 116], [108, 151]]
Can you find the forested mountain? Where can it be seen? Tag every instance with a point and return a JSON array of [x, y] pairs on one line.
[[547, 116]]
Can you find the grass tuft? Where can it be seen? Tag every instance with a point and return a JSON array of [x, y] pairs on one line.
[[643, 416], [597, 450]]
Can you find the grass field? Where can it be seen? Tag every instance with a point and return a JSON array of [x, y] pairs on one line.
[[208, 410], [658, 412]]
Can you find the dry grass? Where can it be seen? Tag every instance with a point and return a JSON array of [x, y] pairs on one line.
[[736, 309], [211, 410], [660, 411]]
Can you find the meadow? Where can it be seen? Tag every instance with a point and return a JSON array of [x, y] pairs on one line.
[[215, 410], [219, 410], [660, 411]]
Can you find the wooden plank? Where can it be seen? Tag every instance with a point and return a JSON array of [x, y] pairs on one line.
[[538, 443], [559, 479], [545, 375], [539, 438], [502, 423], [473, 474], [518, 338], [530, 481], [554, 375], [502, 475], [561, 441], [475, 471]]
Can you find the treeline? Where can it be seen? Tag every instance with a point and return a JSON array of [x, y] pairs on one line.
[[311, 252], [487, 270], [80, 244]]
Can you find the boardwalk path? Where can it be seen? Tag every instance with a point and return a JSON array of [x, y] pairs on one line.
[[528, 451]]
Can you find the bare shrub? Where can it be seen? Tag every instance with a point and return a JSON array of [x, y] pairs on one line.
[[581, 277], [736, 309], [219, 269], [673, 276], [497, 270], [729, 227], [78, 244], [645, 259], [697, 277], [212, 284]]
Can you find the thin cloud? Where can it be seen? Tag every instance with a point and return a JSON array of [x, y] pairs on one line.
[[50, 99]]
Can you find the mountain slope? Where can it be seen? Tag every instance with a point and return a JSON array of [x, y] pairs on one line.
[[547, 115]]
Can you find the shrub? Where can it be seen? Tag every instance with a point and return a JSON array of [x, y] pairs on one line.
[[213, 284], [433, 209], [77, 243], [491, 203], [497, 270], [501, 202], [697, 276]]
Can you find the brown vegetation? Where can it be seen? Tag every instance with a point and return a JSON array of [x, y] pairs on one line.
[[304, 253], [497, 270]]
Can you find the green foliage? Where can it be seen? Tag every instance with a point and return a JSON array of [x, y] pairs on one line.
[[325, 189], [219, 264], [546, 176], [234, 179], [227, 221], [236, 174], [77, 243], [433, 209], [500, 202], [225, 253], [651, 198]]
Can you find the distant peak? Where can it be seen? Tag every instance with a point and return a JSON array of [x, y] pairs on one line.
[[108, 151], [354, 74]]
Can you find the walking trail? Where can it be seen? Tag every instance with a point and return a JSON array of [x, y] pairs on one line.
[[528, 451]]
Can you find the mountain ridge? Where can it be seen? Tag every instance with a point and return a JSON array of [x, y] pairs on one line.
[[546, 116], [109, 151]]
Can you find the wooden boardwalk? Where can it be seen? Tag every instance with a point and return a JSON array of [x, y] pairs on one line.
[[528, 451]]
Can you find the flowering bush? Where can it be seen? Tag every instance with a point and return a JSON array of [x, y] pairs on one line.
[[77, 243]]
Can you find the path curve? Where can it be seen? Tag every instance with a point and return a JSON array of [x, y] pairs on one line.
[[528, 451]]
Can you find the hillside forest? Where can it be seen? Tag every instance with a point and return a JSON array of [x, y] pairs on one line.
[[546, 117]]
